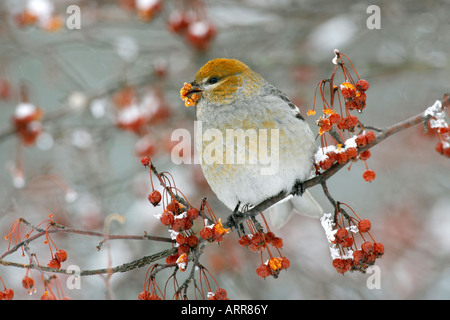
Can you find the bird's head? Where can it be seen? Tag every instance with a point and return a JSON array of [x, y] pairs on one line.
[[221, 82]]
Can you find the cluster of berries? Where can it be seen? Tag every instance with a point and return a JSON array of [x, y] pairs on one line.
[[191, 23], [146, 9], [345, 129], [40, 13], [7, 293], [188, 96], [27, 122], [346, 254], [258, 241], [180, 218], [439, 125]]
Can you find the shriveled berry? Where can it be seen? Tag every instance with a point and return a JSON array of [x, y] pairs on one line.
[[154, 198], [54, 264], [145, 161], [263, 271], [341, 233], [277, 242], [28, 283], [370, 136], [325, 164], [341, 157], [362, 85], [367, 247], [378, 248], [207, 233], [364, 225], [192, 241], [285, 263], [167, 218], [61, 255], [8, 294], [192, 213], [172, 259], [361, 140], [358, 257], [351, 153], [365, 155], [221, 294]]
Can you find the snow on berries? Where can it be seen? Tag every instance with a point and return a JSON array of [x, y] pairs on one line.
[[437, 122], [352, 246]]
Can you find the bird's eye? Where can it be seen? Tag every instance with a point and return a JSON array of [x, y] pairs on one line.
[[213, 80]]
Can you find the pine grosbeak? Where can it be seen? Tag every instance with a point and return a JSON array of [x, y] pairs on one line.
[[229, 95]]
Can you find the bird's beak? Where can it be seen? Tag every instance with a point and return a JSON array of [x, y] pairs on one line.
[[190, 93]]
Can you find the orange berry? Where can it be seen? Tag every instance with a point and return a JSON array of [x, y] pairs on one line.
[[54, 264], [61, 255], [28, 283], [364, 225], [369, 175]]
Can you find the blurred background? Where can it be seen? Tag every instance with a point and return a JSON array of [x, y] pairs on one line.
[[104, 90]]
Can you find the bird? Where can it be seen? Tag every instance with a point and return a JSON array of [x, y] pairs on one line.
[[231, 99]]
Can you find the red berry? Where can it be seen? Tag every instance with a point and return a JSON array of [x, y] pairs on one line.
[[341, 233], [61, 255], [439, 147], [8, 294], [245, 240], [263, 271], [378, 248], [144, 295], [178, 22], [172, 259], [154, 197], [145, 161], [347, 242], [364, 225], [362, 85], [325, 164], [285, 263], [220, 294], [167, 218], [361, 140], [358, 257], [370, 136], [54, 264], [184, 248], [28, 283], [365, 155], [207, 233], [351, 153], [192, 213], [174, 206], [192, 241], [367, 247], [341, 157], [351, 121], [180, 239], [369, 175], [334, 118], [277, 242], [342, 265]]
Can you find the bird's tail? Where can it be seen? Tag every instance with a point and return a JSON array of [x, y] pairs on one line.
[[304, 205]]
